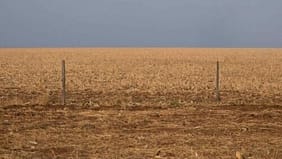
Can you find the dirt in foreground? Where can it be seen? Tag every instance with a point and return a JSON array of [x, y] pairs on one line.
[[140, 132]]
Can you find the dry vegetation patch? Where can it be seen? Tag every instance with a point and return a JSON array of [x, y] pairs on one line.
[[141, 103]]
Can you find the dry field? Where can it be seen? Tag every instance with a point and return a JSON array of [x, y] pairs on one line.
[[141, 103]]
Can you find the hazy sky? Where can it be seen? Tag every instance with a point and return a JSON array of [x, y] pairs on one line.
[[141, 23]]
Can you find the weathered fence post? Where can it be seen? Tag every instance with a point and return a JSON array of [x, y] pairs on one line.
[[63, 83], [217, 82]]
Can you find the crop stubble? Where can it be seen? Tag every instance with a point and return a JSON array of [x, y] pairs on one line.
[[137, 103]]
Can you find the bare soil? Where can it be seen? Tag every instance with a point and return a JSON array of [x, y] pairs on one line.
[[140, 132]]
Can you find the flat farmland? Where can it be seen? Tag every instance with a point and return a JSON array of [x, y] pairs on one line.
[[140, 103]]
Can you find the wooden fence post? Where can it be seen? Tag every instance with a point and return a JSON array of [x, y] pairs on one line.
[[63, 83], [217, 82]]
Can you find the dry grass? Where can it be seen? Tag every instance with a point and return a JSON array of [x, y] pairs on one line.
[[140, 103], [161, 76]]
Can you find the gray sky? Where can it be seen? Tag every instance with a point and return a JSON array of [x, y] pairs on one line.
[[140, 23]]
